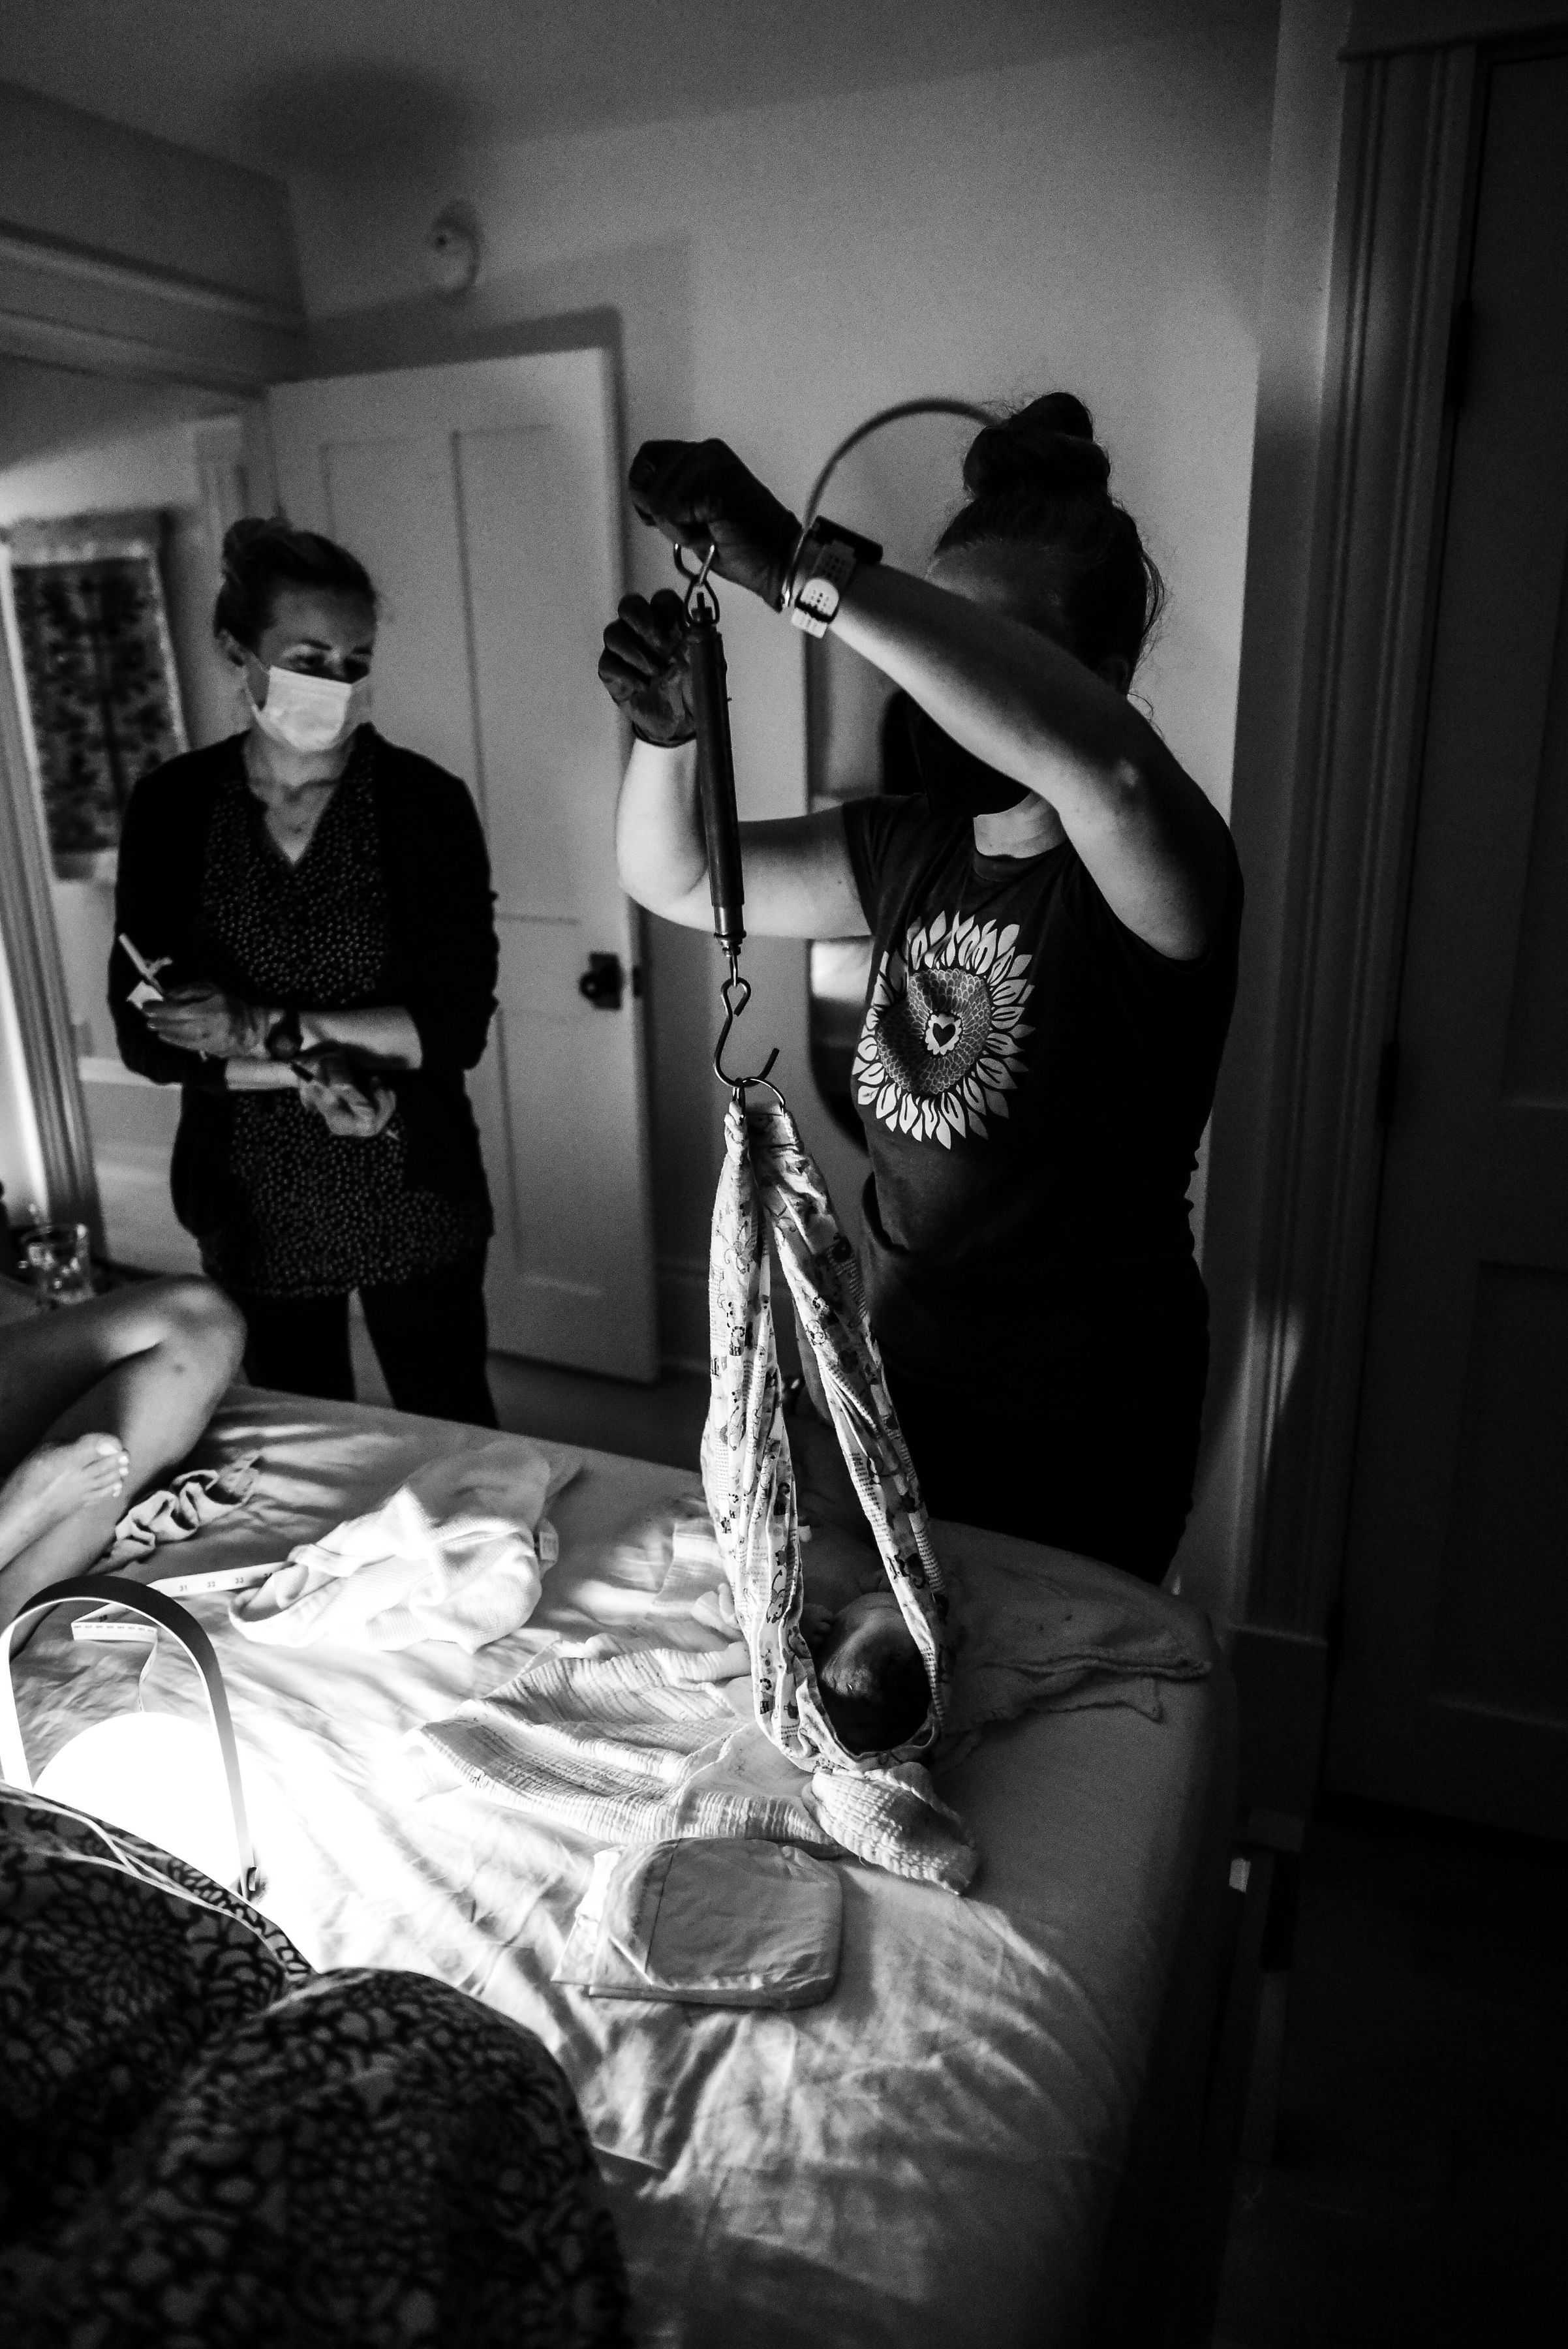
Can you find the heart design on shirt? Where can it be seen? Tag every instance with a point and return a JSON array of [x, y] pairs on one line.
[[942, 1047]]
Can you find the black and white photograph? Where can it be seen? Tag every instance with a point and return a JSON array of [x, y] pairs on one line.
[[783, 1053]]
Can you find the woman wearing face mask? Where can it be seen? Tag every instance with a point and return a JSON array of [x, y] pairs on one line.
[[316, 906], [1054, 925]]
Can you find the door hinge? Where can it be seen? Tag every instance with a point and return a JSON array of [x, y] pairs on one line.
[[1457, 367], [1387, 1079]]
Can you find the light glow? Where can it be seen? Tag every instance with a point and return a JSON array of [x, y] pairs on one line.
[[155, 1775]]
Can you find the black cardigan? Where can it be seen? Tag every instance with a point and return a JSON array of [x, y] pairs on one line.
[[444, 960]]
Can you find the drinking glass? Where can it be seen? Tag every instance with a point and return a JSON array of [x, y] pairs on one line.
[[57, 1260]]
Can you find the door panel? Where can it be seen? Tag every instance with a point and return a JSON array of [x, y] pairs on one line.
[[1453, 1692], [482, 499]]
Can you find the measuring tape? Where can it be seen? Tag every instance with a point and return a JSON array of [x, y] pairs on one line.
[[109, 1626]]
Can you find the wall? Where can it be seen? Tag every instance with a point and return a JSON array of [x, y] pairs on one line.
[[74, 178], [126, 264], [1270, 788], [773, 276]]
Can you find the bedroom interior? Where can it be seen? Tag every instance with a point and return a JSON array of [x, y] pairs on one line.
[[1247, 2031]]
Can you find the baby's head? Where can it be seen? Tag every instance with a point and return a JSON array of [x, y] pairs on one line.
[[870, 1672]]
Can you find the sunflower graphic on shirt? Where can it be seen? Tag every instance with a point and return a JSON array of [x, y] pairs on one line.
[[942, 1043]]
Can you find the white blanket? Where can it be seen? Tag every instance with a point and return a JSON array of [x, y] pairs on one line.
[[459, 1553], [952, 2148], [632, 1743]]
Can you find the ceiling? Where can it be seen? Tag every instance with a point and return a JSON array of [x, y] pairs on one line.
[[296, 85]]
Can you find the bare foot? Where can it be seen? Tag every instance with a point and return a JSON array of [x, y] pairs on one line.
[[55, 1481]]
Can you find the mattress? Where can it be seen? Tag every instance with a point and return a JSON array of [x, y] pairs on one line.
[[982, 2137]]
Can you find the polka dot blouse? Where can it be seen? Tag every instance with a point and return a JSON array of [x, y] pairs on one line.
[[315, 1213]]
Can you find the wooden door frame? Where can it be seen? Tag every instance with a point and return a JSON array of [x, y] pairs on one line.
[[54, 297], [1414, 88]]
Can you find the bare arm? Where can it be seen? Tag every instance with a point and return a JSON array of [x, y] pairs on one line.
[[386, 1034], [1156, 848], [799, 883], [205, 1020]]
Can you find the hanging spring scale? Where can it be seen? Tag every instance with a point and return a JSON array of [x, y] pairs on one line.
[[716, 791]]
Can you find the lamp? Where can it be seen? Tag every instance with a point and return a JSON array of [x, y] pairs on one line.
[[148, 1772]]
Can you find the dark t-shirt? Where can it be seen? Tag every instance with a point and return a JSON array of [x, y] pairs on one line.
[[1033, 1081]]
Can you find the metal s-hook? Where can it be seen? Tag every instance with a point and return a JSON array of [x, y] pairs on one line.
[[735, 987]]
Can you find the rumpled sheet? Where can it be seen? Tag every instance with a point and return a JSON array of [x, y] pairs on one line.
[[998, 2090], [639, 1739], [459, 1553], [176, 1511]]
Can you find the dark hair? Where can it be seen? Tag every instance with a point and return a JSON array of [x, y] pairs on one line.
[[261, 555], [1039, 478]]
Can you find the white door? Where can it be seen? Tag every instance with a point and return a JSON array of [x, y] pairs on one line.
[[1453, 1691], [483, 499]]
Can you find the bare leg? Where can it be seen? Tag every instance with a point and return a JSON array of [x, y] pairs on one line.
[[144, 1367]]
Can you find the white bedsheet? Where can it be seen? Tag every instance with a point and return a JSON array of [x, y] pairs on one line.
[[937, 2154]]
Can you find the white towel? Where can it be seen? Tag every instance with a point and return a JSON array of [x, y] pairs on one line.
[[458, 1553]]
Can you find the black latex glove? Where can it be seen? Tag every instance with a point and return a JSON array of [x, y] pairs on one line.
[[346, 1094], [698, 492], [646, 670]]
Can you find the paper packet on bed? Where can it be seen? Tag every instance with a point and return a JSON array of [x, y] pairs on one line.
[[708, 1922]]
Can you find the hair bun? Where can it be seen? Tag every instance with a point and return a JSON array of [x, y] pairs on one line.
[[240, 536], [1048, 445]]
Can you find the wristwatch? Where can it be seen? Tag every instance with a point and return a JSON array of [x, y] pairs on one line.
[[826, 559], [285, 1038]]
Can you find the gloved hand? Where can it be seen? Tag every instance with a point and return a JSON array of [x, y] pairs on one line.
[[345, 1094], [202, 1019], [698, 492], [645, 668]]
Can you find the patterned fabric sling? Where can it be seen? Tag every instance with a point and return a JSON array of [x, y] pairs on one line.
[[882, 1807]]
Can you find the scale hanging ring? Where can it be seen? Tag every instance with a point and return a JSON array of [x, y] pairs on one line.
[[698, 581]]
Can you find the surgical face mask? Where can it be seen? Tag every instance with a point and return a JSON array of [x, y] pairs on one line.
[[954, 780], [309, 713]]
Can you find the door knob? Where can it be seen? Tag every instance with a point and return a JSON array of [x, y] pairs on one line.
[[603, 984]]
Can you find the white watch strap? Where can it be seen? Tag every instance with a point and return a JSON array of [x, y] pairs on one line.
[[814, 605]]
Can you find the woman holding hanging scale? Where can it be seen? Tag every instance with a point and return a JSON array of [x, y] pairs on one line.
[[1054, 928]]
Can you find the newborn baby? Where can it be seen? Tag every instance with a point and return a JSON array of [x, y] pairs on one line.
[[869, 1671]]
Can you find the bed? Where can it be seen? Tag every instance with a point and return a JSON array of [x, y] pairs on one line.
[[989, 2134]]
